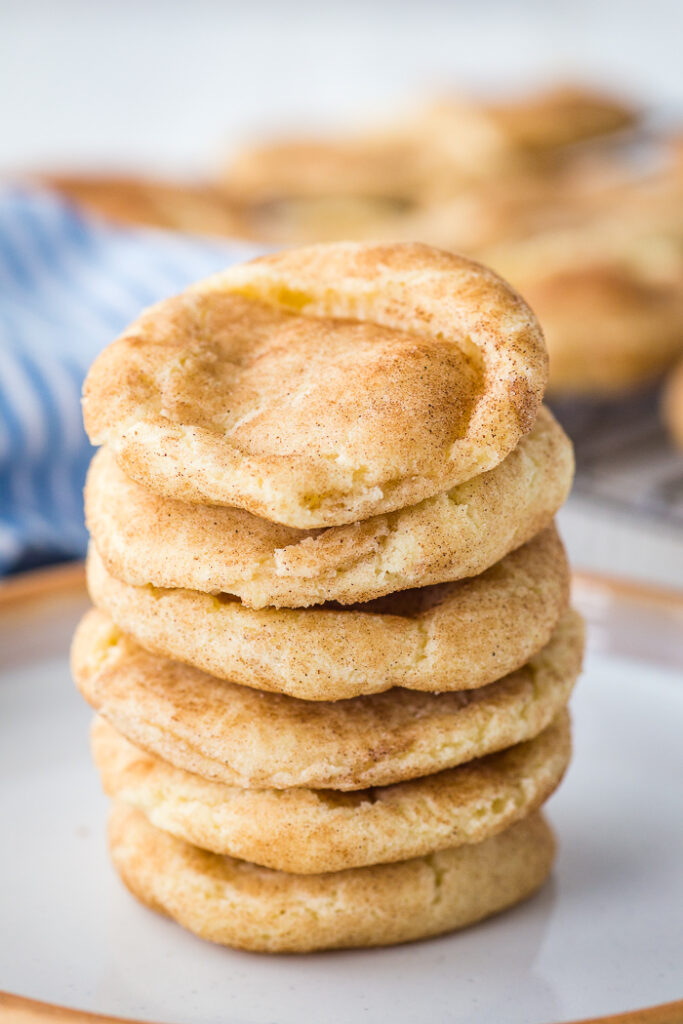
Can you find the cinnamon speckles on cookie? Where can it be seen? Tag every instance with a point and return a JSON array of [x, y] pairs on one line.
[[241, 736], [320, 386], [240, 904], [449, 636], [144, 538]]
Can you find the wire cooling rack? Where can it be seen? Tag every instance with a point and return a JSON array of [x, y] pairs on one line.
[[624, 457]]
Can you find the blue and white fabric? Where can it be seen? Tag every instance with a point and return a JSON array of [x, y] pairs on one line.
[[68, 286]]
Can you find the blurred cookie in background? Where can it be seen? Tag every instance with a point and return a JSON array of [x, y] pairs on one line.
[[474, 139], [460, 174], [199, 209], [392, 182], [609, 289], [518, 204], [560, 116], [475, 214], [565, 191], [326, 189]]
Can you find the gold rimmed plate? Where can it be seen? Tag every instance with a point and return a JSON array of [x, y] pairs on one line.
[[601, 941]]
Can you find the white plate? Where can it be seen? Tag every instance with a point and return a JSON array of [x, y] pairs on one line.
[[604, 936]]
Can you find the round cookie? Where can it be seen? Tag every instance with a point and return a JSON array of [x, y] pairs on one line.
[[451, 636], [364, 168], [608, 290], [321, 386], [239, 904], [143, 538], [305, 190], [308, 831], [455, 140], [470, 139], [243, 737], [199, 209], [299, 220], [629, 329]]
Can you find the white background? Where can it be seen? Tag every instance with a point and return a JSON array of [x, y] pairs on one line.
[[170, 85]]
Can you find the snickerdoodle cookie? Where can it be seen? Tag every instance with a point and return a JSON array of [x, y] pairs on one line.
[[307, 831], [451, 636], [320, 386], [143, 538], [239, 904], [242, 737]]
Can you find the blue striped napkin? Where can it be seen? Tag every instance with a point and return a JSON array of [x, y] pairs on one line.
[[68, 286]]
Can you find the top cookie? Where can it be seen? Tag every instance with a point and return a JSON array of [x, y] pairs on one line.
[[321, 386]]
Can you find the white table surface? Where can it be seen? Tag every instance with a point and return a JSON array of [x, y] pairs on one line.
[[601, 540]]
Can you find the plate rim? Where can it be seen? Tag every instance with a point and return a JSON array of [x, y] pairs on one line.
[[16, 1009], [38, 584]]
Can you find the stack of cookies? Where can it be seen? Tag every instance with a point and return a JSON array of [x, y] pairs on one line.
[[331, 652]]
